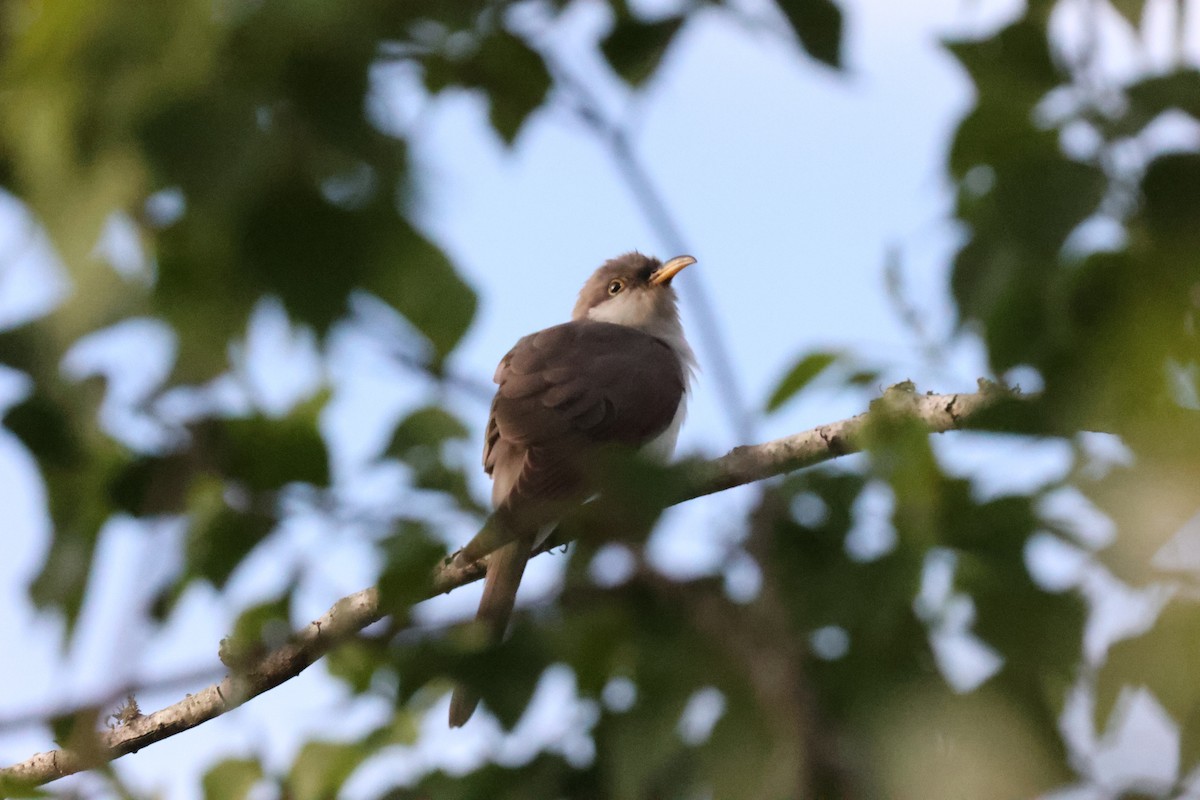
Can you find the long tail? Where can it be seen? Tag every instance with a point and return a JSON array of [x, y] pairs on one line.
[[505, 568]]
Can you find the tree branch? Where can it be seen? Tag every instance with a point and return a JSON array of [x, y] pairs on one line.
[[742, 465]]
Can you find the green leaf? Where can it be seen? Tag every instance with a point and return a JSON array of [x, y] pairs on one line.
[[930, 742], [1152, 96], [417, 279], [633, 491], [512, 76], [258, 630], [16, 790], [1131, 10], [901, 454], [63, 579], [309, 251], [153, 485], [1165, 661], [410, 553], [321, 768], [265, 453], [232, 779], [47, 429], [818, 25], [821, 584], [509, 699], [635, 48], [58, 424], [802, 374], [515, 79], [1039, 633], [437, 477], [220, 537], [547, 775], [644, 743], [1000, 276], [258, 144], [430, 426], [79, 732], [355, 663], [1045, 199], [505, 675], [740, 759], [418, 441], [1171, 194], [864, 377], [1014, 66], [219, 543]]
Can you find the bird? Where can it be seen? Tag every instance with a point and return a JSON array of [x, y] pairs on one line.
[[616, 375]]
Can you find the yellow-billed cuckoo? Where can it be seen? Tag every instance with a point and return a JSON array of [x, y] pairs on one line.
[[616, 374]]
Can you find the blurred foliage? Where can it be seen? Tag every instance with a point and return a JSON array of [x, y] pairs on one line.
[[232, 779], [1081, 262], [239, 142], [804, 372]]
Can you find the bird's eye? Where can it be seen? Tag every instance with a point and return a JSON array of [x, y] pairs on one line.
[[615, 287]]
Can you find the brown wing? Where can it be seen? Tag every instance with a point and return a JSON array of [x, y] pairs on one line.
[[564, 391]]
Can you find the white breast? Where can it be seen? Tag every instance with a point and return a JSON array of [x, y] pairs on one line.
[[662, 447], [636, 309]]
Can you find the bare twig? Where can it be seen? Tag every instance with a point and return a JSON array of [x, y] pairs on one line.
[[351, 614], [170, 683]]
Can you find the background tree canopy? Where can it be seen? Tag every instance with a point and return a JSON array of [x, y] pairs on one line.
[[230, 227]]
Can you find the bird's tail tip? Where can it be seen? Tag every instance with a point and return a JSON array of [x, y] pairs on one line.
[[462, 706]]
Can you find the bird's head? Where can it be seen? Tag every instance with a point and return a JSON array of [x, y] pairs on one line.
[[633, 290]]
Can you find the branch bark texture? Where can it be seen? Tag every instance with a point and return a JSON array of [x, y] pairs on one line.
[[349, 615]]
